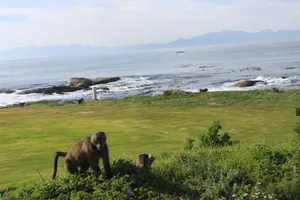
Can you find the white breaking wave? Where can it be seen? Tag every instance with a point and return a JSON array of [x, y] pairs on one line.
[[14, 98], [132, 86], [292, 82], [127, 86], [279, 81]]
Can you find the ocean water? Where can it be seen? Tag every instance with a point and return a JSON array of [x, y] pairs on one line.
[[152, 72]]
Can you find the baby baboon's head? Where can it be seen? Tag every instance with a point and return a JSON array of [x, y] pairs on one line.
[[99, 139]]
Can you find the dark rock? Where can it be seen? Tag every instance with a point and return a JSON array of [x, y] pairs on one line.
[[290, 68], [247, 83], [6, 91], [251, 69], [82, 85], [80, 82], [297, 111], [129, 191], [104, 88], [74, 85], [275, 89], [206, 66], [22, 104], [51, 90], [144, 85], [203, 90], [105, 80]]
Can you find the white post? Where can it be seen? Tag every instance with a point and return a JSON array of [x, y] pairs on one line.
[[94, 93]]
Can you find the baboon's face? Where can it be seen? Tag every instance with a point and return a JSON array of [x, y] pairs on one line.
[[99, 139]]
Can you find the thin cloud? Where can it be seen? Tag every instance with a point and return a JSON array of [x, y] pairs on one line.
[[12, 18], [124, 22]]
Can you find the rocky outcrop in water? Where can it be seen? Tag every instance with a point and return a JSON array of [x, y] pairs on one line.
[[85, 82], [203, 90], [80, 82], [104, 88], [105, 80], [51, 90], [74, 84], [290, 68], [6, 91], [246, 83], [250, 69]]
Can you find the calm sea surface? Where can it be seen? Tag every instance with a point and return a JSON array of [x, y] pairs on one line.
[[149, 73]]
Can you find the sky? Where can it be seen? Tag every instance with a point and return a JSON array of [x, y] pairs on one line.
[[126, 22]]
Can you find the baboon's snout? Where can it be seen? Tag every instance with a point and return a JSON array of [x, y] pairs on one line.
[[98, 146]]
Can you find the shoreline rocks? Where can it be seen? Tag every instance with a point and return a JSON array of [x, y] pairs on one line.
[[85, 82], [251, 69], [80, 82], [97, 81], [246, 83], [51, 90], [74, 84], [6, 91]]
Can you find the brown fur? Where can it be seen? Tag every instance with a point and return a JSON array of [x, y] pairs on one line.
[[86, 154]]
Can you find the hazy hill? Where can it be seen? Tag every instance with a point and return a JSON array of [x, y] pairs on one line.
[[213, 38]]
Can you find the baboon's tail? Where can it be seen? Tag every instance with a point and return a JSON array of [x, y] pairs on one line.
[[57, 154]]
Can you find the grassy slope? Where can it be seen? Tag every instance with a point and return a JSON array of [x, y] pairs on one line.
[[135, 125]]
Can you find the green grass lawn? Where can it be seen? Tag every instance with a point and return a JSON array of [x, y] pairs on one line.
[[31, 135]]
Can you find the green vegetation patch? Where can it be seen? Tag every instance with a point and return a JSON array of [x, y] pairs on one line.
[[264, 171], [158, 125]]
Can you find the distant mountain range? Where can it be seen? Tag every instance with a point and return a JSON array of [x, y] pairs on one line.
[[213, 38]]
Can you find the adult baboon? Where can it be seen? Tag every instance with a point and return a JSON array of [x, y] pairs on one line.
[[81, 101], [85, 154]]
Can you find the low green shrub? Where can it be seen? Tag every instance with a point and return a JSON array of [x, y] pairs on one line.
[[189, 144], [264, 171], [213, 139], [296, 129], [260, 171]]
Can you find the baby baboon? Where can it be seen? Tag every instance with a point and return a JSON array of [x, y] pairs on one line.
[[81, 101], [144, 160], [85, 154]]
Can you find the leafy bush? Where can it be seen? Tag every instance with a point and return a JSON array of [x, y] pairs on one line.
[[233, 172], [189, 144], [261, 171], [213, 139], [296, 129]]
